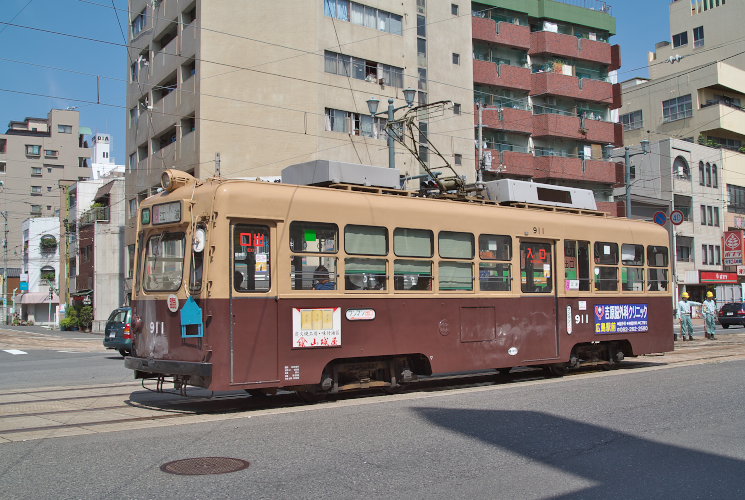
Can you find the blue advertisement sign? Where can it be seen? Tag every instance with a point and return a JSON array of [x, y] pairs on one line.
[[24, 286], [621, 318]]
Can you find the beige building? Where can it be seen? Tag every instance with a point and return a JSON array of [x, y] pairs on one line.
[[35, 155], [282, 83]]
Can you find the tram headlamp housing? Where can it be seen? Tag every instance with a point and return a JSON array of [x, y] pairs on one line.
[[173, 179]]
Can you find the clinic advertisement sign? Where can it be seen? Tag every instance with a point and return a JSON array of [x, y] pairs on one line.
[[621, 318], [733, 246]]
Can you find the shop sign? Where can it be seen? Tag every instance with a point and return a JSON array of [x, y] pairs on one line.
[[733, 247], [717, 277], [741, 270]]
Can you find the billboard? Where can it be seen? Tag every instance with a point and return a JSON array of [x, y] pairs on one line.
[[733, 246]]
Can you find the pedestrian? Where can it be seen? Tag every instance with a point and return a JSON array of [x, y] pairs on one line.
[[684, 316], [709, 309]]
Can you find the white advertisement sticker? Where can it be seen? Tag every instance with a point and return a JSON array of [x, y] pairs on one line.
[[316, 327]]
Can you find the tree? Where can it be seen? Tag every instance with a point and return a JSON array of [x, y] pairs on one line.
[[85, 319]]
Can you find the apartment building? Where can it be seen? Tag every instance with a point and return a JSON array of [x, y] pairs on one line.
[[544, 75], [280, 83], [35, 155], [41, 261]]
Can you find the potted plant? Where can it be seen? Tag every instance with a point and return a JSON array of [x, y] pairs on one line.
[[85, 318]]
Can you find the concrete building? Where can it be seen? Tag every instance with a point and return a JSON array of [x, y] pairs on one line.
[[35, 155], [103, 163], [286, 82], [680, 175], [544, 72], [41, 269]]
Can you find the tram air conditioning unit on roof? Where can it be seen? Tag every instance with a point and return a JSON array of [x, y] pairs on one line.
[[326, 172], [510, 191]]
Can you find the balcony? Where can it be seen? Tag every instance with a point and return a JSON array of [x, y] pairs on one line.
[[573, 127], [577, 88], [508, 119], [561, 167], [569, 46], [509, 34], [96, 214], [719, 116], [501, 75]]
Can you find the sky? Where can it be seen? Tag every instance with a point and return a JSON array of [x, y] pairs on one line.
[[41, 70]]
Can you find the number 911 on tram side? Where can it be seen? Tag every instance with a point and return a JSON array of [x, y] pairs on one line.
[[266, 286]]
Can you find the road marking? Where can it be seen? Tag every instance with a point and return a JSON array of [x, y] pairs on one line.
[[14, 351]]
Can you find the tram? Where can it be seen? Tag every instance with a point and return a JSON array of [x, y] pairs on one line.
[[265, 286]]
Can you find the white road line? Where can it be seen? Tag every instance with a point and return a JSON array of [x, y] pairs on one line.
[[14, 351]]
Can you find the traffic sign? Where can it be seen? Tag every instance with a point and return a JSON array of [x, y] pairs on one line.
[[676, 217], [660, 218]]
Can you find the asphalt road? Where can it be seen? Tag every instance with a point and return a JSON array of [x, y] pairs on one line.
[[669, 432]]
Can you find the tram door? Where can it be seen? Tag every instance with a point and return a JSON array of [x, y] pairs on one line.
[[538, 309], [253, 310]]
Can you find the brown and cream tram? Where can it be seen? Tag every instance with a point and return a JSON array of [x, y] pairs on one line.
[[264, 286]]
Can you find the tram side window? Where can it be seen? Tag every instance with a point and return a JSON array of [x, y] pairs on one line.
[[412, 275], [577, 265], [164, 262], [251, 258], [195, 275], [314, 237], [361, 273], [455, 275], [495, 276], [657, 259], [454, 245], [536, 265], [365, 240], [413, 243], [632, 278], [606, 255]]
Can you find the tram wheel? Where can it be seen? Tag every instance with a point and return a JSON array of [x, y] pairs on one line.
[[311, 397], [555, 370]]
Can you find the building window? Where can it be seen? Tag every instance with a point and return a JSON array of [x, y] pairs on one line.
[[35, 209], [2, 167], [132, 162], [36, 190], [361, 69], [64, 129], [681, 168], [714, 176], [3, 145], [83, 162], [364, 15], [677, 108], [680, 39], [354, 123], [458, 159], [33, 150], [456, 108], [456, 58], [133, 207], [454, 9], [35, 171], [633, 120], [732, 144], [51, 153], [49, 190], [698, 37], [138, 23]]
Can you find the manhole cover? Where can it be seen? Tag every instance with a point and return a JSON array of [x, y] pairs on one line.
[[204, 465]]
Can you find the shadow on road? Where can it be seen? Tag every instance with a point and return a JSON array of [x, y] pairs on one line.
[[621, 464]]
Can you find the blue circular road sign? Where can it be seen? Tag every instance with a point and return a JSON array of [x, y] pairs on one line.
[[660, 218]]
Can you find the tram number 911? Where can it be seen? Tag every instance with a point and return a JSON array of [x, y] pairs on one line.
[[157, 327]]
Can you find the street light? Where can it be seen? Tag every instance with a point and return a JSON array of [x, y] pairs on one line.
[[372, 106], [627, 168]]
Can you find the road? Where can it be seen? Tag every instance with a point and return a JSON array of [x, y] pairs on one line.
[[666, 426]]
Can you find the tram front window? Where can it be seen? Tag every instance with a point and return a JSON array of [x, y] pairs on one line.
[[164, 262]]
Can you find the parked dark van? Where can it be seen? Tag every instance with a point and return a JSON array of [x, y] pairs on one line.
[[118, 332]]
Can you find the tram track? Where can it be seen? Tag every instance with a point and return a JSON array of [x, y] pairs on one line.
[[26, 415]]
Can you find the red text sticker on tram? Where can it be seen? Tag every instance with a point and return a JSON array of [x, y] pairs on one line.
[[251, 240], [540, 257]]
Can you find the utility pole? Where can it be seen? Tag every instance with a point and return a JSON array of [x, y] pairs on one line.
[[480, 166], [627, 169], [5, 266]]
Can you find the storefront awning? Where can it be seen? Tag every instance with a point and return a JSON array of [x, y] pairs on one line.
[[37, 298]]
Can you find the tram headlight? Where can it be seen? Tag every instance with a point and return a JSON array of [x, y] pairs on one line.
[[172, 179]]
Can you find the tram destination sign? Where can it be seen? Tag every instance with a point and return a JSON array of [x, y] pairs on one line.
[[166, 213], [621, 318]]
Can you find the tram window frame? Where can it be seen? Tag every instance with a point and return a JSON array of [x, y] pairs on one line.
[[637, 260], [495, 276], [365, 244], [606, 259], [658, 280], [606, 278], [632, 279], [322, 277], [306, 228], [448, 273], [365, 279], [573, 249], [400, 239], [486, 252], [403, 277], [653, 251], [455, 245], [528, 272], [611, 252], [248, 278], [175, 278]]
